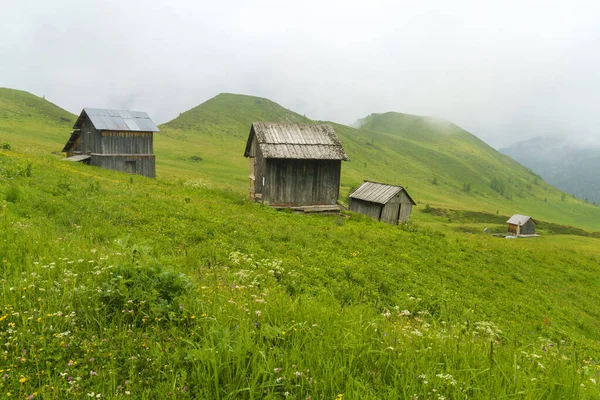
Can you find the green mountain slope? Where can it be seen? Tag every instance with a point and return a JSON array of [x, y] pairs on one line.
[[32, 123], [396, 148], [231, 115], [439, 163], [106, 276], [448, 167]]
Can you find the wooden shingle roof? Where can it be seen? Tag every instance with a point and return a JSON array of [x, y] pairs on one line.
[[520, 220], [296, 141], [375, 192]]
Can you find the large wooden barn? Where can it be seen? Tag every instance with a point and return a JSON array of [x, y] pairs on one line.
[[521, 225], [114, 139], [295, 165], [386, 203]]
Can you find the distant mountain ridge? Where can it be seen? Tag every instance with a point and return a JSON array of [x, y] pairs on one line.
[[571, 168]]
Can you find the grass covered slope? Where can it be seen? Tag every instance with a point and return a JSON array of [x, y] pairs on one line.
[[114, 283], [449, 167], [208, 142], [31, 123], [439, 163], [231, 115]]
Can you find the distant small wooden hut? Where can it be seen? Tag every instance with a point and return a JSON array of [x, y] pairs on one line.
[[295, 165], [114, 139], [386, 203], [521, 225]]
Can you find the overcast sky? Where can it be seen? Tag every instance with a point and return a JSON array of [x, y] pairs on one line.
[[504, 70]]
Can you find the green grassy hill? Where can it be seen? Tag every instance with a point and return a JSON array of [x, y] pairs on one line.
[[428, 148], [124, 286], [180, 287], [31, 123], [395, 148], [207, 143]]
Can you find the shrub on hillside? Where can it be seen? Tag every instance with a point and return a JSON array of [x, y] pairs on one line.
[[137, 294], [13, 193]]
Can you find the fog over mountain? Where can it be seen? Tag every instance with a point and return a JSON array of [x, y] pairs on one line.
[[565, 164], [505, 70]]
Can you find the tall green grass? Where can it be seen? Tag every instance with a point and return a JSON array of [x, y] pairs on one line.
[[122, 286]]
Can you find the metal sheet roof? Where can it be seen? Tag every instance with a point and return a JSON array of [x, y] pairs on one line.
[[519, 219], [376, 192], [296, 141], [117, 120]]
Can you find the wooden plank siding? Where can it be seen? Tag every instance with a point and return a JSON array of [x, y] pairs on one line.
[[118, 142], [389, 213], [258, 162], [301, 182], [397, 209], [368, 208], [405, 207], [141, 164], [528, 228]]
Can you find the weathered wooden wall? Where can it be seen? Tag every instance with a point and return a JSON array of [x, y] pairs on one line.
[[257, 169], [405, 207], [127, 142], [141, 164], [528, 228], [365, 207], [90, 138], [389, 213], [291, 182], [398, 208], [514, 229]]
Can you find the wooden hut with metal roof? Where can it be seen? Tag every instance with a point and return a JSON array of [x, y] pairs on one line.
[[295, 166], [521, 225], [114, 139], [386, 203]]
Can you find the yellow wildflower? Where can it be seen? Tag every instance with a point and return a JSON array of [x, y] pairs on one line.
[[23, 380]]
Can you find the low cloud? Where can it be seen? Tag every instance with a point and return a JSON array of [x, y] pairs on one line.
[[505, 72]]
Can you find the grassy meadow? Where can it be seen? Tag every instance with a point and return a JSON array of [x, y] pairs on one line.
[[118, 286], [439, 163]]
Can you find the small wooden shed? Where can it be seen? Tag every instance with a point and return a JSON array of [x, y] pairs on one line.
[[295, 165], [114, 139], [521, 225], [386, 203]]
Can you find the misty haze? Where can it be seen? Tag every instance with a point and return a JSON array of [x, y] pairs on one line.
[[506, 71]]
